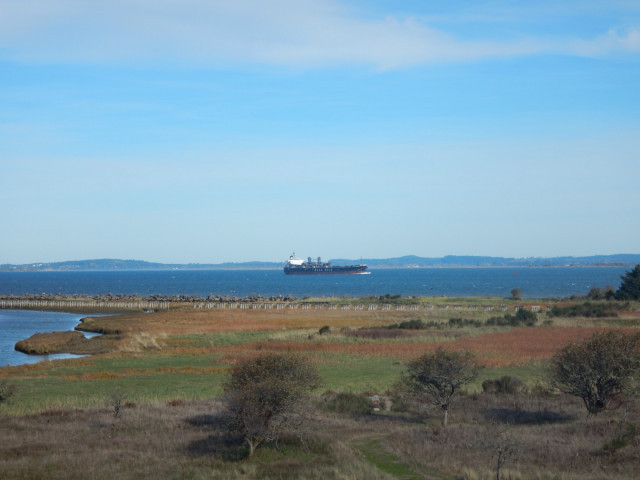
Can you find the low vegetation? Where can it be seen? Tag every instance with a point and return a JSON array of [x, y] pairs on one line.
[[504, 385], [7, 390], [155, 405], [522, 318], [587, 309]]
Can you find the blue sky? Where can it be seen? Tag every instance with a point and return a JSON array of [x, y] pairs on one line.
[[210, 131]]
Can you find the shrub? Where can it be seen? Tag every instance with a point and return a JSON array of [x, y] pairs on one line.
[[464, 322], [7, 390], [388, 298], [262, 394], [521, 318], [348, 403], [606, 293], [626, 436], [587, 309], [503, 385], [325, 329], [416, 324], [377, 333], [598, 369]]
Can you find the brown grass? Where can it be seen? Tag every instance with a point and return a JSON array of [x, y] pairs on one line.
[[510, 348], [180, 439], [176, 439], [552, 436], [143, 332], [216, 321]]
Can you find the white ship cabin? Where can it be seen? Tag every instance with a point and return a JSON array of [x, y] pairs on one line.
[[295, 261]]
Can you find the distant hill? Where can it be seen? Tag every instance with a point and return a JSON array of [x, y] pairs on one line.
[[116, 264], [407, 261], [481, 261]]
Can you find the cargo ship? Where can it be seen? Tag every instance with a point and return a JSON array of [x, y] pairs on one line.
[[297, 266]]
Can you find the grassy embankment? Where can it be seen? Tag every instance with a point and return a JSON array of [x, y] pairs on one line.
[[168, 367]]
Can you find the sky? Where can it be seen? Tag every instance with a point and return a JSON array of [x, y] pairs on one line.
[[206, 131]]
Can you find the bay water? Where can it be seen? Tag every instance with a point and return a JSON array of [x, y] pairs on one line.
[[540, 282], [17, 325]]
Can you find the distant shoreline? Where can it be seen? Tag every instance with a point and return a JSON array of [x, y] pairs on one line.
[[405, 262], [271, 269]]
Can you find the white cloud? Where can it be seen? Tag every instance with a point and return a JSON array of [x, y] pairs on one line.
[[278, 32], [611, 42]]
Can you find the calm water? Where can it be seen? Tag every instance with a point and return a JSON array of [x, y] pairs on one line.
[[20, 324], [454, 282]]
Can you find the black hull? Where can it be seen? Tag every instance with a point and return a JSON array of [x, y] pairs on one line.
[[347, 270]]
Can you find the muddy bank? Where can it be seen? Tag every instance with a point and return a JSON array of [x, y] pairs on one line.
[[112, 329], [66, 342]]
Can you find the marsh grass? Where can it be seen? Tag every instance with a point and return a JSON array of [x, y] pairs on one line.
[[222, 339], [143, 341]]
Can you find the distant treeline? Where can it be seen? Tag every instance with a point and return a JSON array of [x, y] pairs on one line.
[[408, 261]]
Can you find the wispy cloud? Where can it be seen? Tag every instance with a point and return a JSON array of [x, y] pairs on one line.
[[298, 33], [611, 42]]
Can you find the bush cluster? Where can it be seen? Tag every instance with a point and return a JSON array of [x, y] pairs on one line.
[[7, 390], [388, 298], [521, 318], [415, 324], [503, 385], [347, 403], [587, 309], [624, 438], [464, 322], [606, 293], [325, 329]]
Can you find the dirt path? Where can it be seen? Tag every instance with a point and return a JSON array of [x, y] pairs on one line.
[[372, 449]]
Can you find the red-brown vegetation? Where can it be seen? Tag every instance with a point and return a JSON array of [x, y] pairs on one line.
[[501, 349]]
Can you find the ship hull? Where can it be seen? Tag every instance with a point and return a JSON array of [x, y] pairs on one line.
[[297, 266], [347, 270]]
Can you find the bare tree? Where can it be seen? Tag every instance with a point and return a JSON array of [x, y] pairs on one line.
[[598, 369], [262, 395], [117, 401], [439, 376], [505, 450]]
